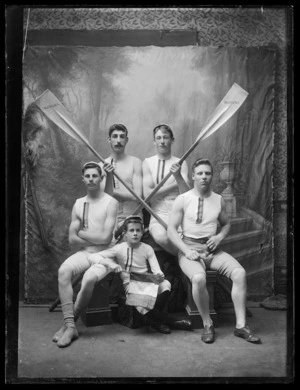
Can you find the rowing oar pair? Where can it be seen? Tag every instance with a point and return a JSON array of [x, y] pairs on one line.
[[56, 112]]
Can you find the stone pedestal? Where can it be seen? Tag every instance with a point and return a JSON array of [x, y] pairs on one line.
[[191, 308], [230, 202]]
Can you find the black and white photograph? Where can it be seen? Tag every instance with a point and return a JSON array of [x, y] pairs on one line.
[[149, 194]]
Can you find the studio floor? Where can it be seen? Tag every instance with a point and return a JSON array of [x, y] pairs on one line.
[[114, 353]]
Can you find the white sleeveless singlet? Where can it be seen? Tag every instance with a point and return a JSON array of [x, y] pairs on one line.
[[128, 207], [159, 169], [95, 218], [211, 211]]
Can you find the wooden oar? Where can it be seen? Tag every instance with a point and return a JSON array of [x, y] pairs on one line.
[[231, 102], [55, 111]]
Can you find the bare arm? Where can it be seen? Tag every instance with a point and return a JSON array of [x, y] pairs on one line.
[[175, 221], [154, 265], [107, 258], [109, 263], [137, 177], [148, 184], [215, 241], [109, 181], [180, 173], [104, 234], [137, 182], [75, 241]]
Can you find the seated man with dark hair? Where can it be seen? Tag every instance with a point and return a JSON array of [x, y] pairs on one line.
[[198, 212], [91, 229]]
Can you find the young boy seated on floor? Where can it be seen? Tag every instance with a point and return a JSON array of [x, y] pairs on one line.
[[147, 292]]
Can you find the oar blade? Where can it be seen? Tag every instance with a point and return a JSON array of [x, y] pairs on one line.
[[51, 107], [231, 102]]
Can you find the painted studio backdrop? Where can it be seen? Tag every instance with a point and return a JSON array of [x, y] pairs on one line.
[[142, 87]]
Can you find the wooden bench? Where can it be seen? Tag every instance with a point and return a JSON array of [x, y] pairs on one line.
[[101, 312]]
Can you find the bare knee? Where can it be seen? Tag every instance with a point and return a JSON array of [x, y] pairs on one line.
[[89, 280], [65, 273], [159, 234], [166, 285], [199, 280], [160, 238], [238, 275]]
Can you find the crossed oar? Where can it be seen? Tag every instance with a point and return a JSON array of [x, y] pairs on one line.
[[56, 112]]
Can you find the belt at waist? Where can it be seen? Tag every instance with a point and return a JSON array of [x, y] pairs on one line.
[[202, 240]]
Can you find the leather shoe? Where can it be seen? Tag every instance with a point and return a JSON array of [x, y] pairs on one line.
[[246, 334], [208, 335], [181, 325], [161, 328]]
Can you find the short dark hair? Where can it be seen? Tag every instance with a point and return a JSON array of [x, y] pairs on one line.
[[202, 161], [133, 219], [117, 126], [163, 127], [91, 164]]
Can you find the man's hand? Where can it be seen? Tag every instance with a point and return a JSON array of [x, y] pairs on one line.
[[175, 169], [213, 243], [125, 276], [116, 268], [108, 168], [192, 254], [160, 277]]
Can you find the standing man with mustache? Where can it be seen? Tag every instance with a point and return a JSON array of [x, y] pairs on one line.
[[129, 168]]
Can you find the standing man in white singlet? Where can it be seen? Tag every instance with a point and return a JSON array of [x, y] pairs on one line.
[[129, 168], [154, 170], [91, 230], [198, 212]]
